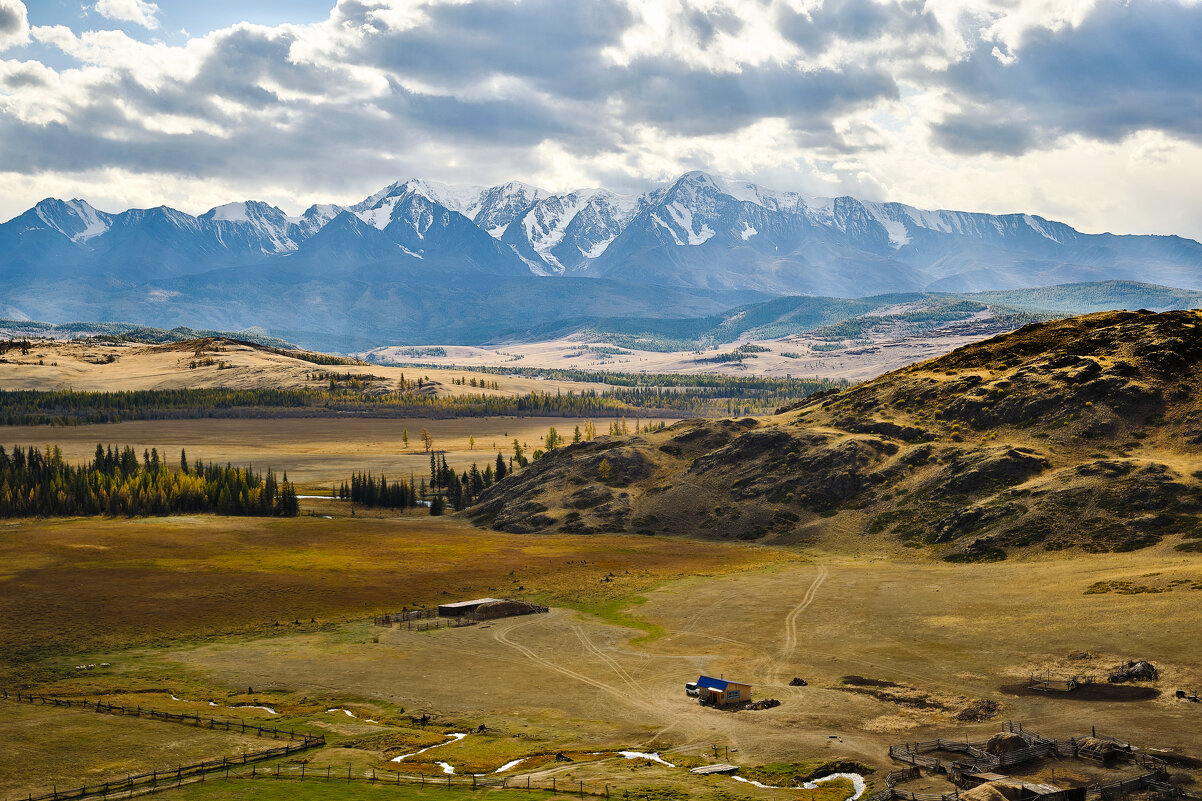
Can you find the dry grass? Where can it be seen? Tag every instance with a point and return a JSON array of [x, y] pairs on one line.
[[68, 365], [71, 585], [48, 746], [316, 453], [954, 633]]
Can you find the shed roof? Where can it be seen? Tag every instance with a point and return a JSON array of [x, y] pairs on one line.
[[710, 683], [477, 602]]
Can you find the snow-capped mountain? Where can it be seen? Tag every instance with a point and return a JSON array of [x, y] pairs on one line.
[[496, 208], [702, 240]]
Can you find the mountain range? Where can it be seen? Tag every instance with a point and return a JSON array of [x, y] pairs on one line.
[[421, 262]]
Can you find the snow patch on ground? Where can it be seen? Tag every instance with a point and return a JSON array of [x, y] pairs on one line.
[[598, 248], [1040, 227], [267, 709], [898, 235], [513, 763], [857, 782], [653, 757], [682, 215], [451, 738], [381, 215], [748, 231]]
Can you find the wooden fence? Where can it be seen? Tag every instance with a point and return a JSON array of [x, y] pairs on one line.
[[404, 616], [155, 779], [526, 784], [240, 726], [976, 760]]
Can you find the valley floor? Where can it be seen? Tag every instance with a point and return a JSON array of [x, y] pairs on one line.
[[893, 648], [808, 355]]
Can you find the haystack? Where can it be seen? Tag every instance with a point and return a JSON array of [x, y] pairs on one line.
[[993, 791], [1004, 743], [1097, 748], [1135, 671]]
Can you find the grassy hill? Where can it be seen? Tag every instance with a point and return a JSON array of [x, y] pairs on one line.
[[909, 314], [1077, 433]]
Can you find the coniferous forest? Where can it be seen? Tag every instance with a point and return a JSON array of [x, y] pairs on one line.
[[445, 489], [39, 483], [633, 395]]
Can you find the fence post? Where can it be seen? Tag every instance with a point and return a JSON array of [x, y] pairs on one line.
[[582, 788], [302, 770], [348, 772]]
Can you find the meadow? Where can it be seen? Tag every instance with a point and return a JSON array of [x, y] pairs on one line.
[[316, 453], [893, 647]]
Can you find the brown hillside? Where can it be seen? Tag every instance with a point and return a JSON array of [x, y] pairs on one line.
[[212, 362], [1085, 432]]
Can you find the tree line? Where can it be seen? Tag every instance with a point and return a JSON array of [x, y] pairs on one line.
[[446, 488], [40, 483]]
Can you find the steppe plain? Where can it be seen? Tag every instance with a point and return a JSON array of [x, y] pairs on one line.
[[191, 612]]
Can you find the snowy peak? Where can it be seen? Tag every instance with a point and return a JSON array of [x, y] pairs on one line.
[[255, 220], [701, 230], [74, 219], [247, 211], [317, 217], [496, 208], [562, 233]]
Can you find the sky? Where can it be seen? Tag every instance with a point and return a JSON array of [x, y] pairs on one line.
[[1084, 111]]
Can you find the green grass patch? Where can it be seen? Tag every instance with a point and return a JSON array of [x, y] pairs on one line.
[[270, 789], [617, 612], [791, 774]]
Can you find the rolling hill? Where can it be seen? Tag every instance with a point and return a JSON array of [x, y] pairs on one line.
[[1076, 433]]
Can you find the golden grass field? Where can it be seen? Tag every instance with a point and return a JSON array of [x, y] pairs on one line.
[[83, 366], [185, 606], [192, 612], [315, 452], [47, 746]]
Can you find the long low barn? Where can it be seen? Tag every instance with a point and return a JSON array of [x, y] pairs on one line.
[[461, 608]]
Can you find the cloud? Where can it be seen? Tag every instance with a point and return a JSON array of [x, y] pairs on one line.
[[14, 24], [867, 97], [1126, 67], [138, 12]]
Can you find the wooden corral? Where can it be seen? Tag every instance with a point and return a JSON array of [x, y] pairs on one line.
[[1047, 683], [979, 769]]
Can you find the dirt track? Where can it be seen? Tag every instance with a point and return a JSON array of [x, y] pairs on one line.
[[948, 634]]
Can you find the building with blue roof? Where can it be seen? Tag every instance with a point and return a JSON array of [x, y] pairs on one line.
[[719, 692]]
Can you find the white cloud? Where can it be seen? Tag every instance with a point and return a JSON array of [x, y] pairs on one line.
[[886, 99], [14, 24], [138, 12]]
